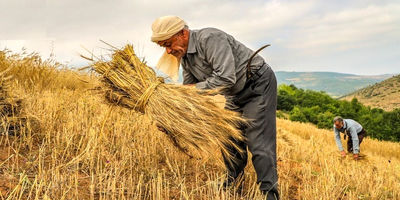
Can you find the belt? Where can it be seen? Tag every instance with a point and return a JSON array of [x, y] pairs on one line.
[[259, 72]]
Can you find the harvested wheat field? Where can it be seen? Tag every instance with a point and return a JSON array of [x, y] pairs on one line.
[[81, 147]]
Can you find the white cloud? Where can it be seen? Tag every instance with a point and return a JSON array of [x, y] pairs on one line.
[[350, 28], [305, 35]]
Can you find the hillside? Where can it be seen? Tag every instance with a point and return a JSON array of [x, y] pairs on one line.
[[334, 84], [319, 108], [385, 94], [73, 145]]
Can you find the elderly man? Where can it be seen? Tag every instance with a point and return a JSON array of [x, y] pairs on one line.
[[210, 59], [353, 130]]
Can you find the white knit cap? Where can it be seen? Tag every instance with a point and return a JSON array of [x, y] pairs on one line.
[[163, 29]]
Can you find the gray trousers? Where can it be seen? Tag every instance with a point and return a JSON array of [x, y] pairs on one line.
[[257, 103]]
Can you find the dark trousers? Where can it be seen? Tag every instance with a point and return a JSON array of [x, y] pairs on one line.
[[257, 102], [361, 136]]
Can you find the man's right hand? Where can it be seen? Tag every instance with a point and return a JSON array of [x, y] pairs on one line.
[[343, 153]]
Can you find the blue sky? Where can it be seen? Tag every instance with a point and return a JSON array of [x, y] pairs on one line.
[[359, 37]]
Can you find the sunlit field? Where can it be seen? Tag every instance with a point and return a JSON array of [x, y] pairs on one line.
[[70, 144]]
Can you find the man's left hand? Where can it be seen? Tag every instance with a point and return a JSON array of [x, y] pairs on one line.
[[355, 156]]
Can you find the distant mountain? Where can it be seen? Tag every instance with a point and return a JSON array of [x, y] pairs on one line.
[[385, 95], [333, 83]]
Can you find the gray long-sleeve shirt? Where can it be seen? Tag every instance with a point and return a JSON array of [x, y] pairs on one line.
[[215, 59], [351, 127]]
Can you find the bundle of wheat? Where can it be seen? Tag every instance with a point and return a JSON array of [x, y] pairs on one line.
[[190, 118]]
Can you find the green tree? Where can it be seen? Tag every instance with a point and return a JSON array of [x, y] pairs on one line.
[[286, 101], [325, 120], [297, 115], [319, 108]]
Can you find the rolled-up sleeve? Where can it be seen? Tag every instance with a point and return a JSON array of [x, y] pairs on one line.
[[219, 54], [337, 138]]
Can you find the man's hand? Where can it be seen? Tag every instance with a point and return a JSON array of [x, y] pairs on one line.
[[343, 153], [355, 156]]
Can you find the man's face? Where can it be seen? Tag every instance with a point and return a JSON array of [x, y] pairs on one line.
[[338, 124], [176, 45]]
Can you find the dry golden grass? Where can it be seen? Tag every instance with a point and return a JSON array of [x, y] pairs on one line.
[[322, 174], [85, 149], [32, 73]]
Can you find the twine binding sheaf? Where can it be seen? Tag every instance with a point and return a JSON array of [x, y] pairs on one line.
[[144, 99]]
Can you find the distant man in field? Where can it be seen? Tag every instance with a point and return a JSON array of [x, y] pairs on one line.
[[211, 59], [353, 130]]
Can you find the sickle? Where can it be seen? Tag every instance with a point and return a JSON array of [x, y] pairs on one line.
[[248, 72]]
